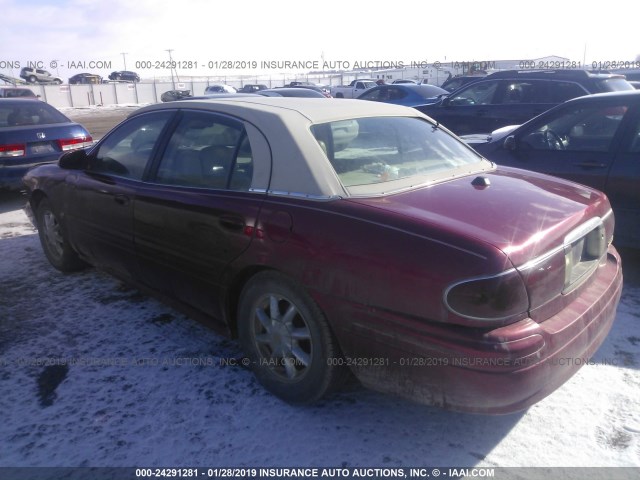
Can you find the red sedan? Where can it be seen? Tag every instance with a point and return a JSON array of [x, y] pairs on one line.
[[334, 235]]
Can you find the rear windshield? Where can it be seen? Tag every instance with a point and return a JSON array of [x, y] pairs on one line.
[[17, 92], [26, 112], [379, 150], [615, 85]]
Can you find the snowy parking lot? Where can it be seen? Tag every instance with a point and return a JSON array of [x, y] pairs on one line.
[[96, 374]]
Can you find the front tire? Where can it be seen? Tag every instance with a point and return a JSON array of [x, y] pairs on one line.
[[54, 241], [287, 339]]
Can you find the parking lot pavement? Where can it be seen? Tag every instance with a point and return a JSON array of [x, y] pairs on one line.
[[99, 120], [94, 373]]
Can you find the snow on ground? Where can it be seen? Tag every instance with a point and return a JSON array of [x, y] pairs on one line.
[[144, 386], [93, 109]]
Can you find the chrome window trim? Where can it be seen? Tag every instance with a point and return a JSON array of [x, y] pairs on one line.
[[306, 196]]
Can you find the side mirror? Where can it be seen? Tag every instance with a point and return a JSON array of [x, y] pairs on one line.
[[510, 143], [446, 101], [75, 160]]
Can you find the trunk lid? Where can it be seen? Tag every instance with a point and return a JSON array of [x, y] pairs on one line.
[[524, 214]]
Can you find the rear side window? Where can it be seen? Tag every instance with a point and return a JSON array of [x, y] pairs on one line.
[[562, 91], [16, 92], [614, 85], [207, 151], [127, 151], [541, 91]]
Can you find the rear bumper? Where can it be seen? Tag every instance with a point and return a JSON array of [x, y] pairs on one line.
[[501, 371]]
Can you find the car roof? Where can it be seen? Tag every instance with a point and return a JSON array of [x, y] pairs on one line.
[[22, 100], [633, 94], [423, 87], [16, 88], [300, 91], [316, 110], [565, 74]]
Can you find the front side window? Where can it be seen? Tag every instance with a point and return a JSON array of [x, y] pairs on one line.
[[377, 150], [127, 151], [580, 129], [634, 146], [207, 151], [375, 95], [481, 93]]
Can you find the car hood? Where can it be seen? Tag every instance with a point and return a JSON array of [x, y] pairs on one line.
[[523, 214], [495, 136]]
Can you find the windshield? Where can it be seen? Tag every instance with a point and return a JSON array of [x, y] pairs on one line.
[[367, 151]]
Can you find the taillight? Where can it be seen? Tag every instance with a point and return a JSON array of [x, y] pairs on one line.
[[13, 150], [67, 144], [501, 297]]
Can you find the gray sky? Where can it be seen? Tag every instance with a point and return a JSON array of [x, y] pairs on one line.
[[206, 33]]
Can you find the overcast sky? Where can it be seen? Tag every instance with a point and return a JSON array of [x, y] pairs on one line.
[[57, 32]]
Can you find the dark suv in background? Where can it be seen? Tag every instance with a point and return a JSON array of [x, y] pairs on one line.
[[512, 97], [452, 84], [124, 76]]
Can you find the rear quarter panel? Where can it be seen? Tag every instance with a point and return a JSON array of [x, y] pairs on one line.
[[353, 261]]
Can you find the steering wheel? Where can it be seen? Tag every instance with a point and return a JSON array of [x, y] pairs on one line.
[[553, 140]]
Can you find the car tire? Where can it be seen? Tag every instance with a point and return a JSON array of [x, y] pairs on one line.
[[287, 340], [339, 95], [32, 79], [54, 241]]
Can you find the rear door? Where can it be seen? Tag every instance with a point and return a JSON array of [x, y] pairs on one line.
[[198, 211], [623, 183], [518, 101], [466, 111]]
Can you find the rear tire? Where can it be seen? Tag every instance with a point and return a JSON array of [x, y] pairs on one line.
[[54, 241], [286, 337]]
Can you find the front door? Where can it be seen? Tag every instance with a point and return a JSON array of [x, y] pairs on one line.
[[101, 209]]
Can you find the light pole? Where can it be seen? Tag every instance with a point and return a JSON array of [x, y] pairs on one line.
[[124, 59]]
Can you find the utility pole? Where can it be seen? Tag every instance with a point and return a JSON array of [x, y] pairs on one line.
[[124, 58], [171, 66]]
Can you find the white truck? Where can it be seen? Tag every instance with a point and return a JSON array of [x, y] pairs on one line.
[[353, 90]]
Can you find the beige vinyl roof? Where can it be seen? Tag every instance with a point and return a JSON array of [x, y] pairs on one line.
[[291, 161], [316, 110]]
